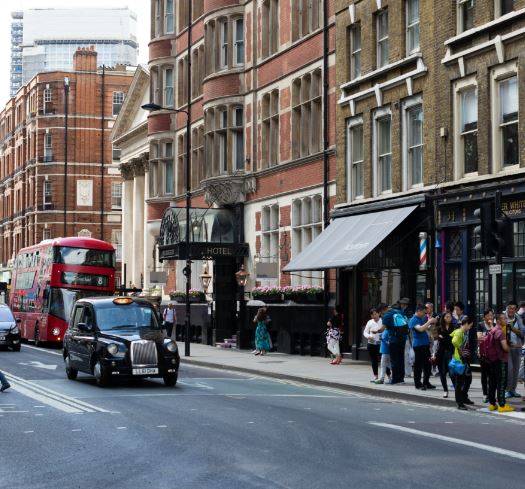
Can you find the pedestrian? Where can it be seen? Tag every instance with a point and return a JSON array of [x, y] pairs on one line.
[[515, 335], [262, 337], [373, 338], [384, 350], [334, 334], [419, 326], [498, 348], [432, 334], [461, 344], [396, 322], [459, 312], [445, 349], [170, 319], [482, 330], [4, 382]]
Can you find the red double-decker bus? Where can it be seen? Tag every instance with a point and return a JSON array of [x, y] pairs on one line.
[[49, 277]]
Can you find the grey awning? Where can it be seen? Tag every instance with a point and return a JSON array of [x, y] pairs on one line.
[[348, 240]]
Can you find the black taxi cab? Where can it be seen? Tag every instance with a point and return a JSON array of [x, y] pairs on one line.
[[112, 337]]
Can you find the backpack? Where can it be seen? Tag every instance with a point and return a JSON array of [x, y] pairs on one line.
[[400, 326], [487, 348]]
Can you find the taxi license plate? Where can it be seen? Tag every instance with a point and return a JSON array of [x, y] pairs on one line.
[[145, 371], [2, 338]]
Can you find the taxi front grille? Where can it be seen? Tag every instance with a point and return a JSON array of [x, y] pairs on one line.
[[143, 352]]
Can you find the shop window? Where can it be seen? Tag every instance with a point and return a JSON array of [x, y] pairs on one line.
[[412, 26], [519, 239], [455, 286], [481, 290], [382, 38], [454, 244], [270, 27], [355, 50], [465, 15], [270, 129], [306, 226], [355, 157]]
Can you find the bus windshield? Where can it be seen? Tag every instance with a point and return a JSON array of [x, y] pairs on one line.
[[62, 300], [82, 256]]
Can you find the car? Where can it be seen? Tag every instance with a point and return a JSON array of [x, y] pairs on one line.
[[116, 337], [9, 329]]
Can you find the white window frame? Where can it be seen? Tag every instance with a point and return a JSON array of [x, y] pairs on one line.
[[168, 88], [238, 43], [238, 133], [412, 27], [223, 41], [350, 126], [459, 160], [270, 233], [117, 98], [116, 241], [355, 51], [48, 147], [381, 41], [167, 157], [167, 16], [461, 5], [46, 234], [407, 106], [47, 193], [223, 140], [156, 14], [47, 95], [497, 75], [380, 114], [116, 195], [498, 9]]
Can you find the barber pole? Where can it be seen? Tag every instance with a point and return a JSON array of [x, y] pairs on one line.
[[422, 251]]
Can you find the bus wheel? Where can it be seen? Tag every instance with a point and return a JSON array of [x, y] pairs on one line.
[[36, 336], [70, 371], [101, 375]]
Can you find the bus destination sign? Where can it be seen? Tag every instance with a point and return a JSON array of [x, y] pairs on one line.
[[86, 279]]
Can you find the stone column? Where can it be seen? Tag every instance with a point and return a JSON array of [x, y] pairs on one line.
[[138, 222], [127, 219]]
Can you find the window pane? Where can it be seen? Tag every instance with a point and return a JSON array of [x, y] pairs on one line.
[[412, 11], [469, 110], [239, 150], [170, 181], [239, 41], [508, 93], [357, 180], [415, 129], [386, 177], [357, 143], [509, 142], [384, 135], [470, 152]]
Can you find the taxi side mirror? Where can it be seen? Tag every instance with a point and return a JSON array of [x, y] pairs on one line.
[[84, 327]]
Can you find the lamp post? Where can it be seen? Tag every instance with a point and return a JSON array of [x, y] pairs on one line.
[[66, 113], [241, 277]]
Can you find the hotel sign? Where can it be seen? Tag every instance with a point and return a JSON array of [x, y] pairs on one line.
[[203, 251]]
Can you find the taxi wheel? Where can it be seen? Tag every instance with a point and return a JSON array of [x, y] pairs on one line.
[[170, 380], [70, 372], [101, 375]]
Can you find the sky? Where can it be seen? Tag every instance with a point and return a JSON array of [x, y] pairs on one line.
[[140, 7]]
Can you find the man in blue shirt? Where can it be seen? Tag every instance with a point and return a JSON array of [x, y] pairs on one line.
[[398, 336], [419, 325]]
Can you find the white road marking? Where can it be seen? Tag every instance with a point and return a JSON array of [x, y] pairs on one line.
[[291, 421], [411, 422], [251, 422], [122, 427], [78, 429], [39, 414], [30, 431], [449, 422], [162, 426], [457, 441], [33, 363], [43, 350]]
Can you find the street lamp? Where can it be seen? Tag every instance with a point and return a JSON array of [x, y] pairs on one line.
[[205, 278], [66, 113], [241, 276]]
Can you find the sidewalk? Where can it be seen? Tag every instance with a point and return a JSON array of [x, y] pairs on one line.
[[351, 375]]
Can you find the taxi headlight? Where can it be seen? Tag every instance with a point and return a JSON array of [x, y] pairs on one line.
[[15, 330], [171, 346], [112, 348], [55, 331]]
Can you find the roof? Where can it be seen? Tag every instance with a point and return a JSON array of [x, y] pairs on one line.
[[109, 299]]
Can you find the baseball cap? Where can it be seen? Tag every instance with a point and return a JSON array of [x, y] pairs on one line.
[[404, 300]]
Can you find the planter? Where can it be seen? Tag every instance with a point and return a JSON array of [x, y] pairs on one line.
[[268, 299], [177, 298], [308, 298], [197, 299]]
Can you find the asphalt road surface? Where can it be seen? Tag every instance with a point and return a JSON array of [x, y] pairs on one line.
[[218, 429]]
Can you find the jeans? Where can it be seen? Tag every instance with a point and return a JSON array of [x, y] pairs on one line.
[[485, 374], [444, 357], [397, 359], [408, 367], [3, 380], [514, 369], [385, 365], [373, 352], [169, 328], [462, 385], [497, 382], [422, 365]]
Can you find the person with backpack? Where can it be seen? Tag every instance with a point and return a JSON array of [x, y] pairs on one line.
[[445, 349], [170, 319], [396, 323], [494, 347], [462, 380], [482, 330], [515, 335]]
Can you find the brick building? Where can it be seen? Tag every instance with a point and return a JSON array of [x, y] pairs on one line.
[[258, 94], [427, 131], [36, 201]]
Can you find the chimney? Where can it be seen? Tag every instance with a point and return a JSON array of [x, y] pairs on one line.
[[85, 59]]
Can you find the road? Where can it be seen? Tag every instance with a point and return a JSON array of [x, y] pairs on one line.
[[225, 430]]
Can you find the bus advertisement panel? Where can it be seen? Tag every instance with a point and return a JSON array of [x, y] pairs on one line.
[[49, 277]]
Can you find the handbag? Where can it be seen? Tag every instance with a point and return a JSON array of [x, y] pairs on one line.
[[456, 367]]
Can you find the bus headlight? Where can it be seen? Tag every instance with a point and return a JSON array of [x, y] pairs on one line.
[[171, 346], [112, 348], [55, 331]]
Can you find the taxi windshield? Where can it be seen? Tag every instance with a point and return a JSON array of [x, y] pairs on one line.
[[126, 317]]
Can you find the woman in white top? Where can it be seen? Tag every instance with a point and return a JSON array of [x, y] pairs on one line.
[[373, 339]]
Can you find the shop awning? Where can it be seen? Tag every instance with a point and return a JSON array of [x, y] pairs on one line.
[[347, 240]]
